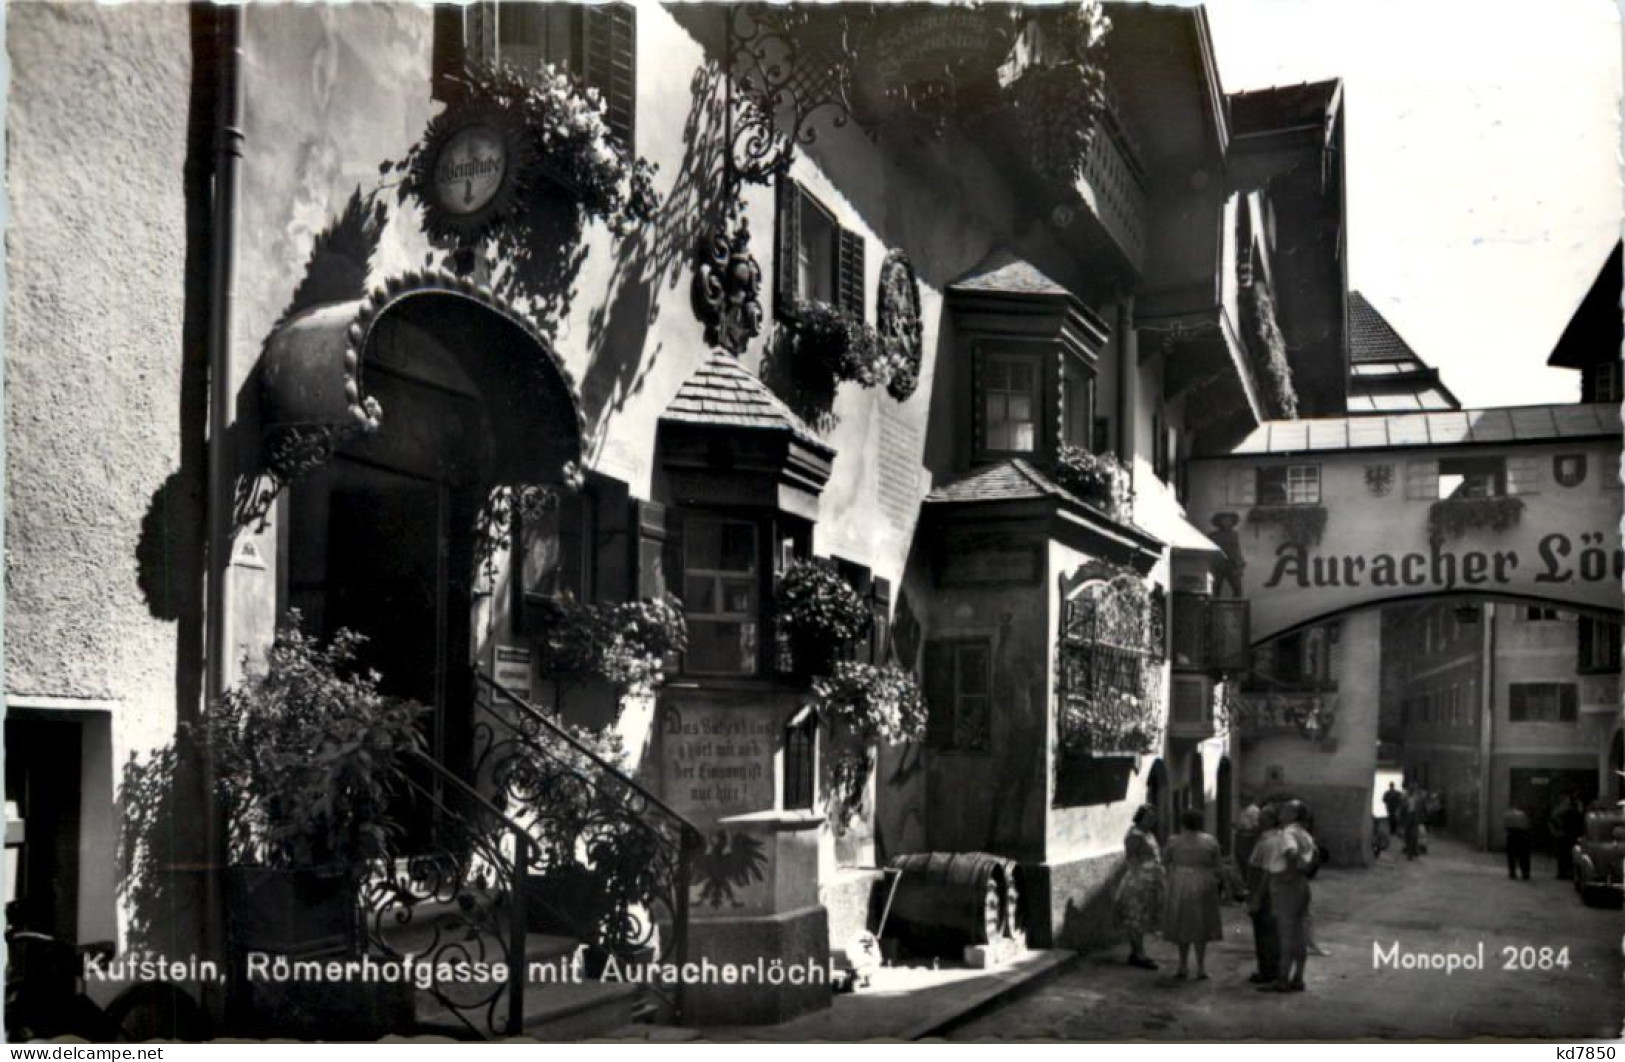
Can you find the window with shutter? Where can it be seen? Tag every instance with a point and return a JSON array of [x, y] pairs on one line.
[[1243, 486], [814, 258], [595, 42], [1599, 648], [880, 650]]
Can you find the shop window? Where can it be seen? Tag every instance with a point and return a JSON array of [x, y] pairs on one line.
[[1472, 477], [595, 42], [1542, 702], [959, 688], [1599, 646], [1009, 403], [1289, 485], [817, 260]]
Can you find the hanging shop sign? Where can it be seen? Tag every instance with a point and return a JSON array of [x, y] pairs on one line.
[[471, 171]]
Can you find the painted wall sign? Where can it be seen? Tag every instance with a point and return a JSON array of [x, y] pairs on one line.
[[1559, 543], [513, 670], [719, 761], [1559, 558]]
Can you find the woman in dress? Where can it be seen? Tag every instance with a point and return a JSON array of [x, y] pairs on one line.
[[1140, 893], [1191, 916]]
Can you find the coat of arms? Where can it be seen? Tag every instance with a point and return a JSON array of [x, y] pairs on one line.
[[1569, 469], [1379, 479]]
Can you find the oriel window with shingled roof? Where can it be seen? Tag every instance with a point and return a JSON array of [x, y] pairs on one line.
[[1028, 349], [745, 474]]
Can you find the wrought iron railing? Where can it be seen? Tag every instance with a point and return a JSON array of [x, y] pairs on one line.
[[609, 861], [455, 911]]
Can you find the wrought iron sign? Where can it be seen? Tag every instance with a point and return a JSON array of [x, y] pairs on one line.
[[728, 285], [1109, 656]]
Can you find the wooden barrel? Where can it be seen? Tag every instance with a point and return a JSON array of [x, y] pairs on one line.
[[946, 900]]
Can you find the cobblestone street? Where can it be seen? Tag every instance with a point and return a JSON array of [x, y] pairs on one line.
[[1448, 901]]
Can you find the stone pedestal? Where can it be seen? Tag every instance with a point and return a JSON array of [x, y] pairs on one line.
[[758, 937]]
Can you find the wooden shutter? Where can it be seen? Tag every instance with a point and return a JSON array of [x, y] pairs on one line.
[[659, 550], [1567, 703], [1523, 475], [939, 694], [609, 62], [788, 237], [849, 273], [1243, 486], [449, 51], [880, 651]]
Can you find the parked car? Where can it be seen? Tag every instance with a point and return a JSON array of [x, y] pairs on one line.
[[1599, 856]]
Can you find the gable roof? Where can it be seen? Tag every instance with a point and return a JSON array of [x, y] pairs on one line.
[[1595, 329], [723, 392]]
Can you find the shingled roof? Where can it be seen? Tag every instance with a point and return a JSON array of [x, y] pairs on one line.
[[1371, 337], [1003, 272], [724, 393]]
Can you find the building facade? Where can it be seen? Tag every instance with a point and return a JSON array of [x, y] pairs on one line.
[[381, 353]]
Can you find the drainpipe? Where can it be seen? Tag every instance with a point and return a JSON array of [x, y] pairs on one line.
[[1128, 359], [1486, 727], [222, 288], [228, 152]]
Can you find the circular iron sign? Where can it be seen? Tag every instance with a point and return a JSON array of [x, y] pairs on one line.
[[469, 170]]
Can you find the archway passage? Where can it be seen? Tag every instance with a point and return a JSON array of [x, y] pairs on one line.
[[1479, 703], [388, 527]]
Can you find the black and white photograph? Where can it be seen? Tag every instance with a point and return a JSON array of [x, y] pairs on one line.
[[779, 522]]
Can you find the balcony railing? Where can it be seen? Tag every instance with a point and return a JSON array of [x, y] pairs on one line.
[[1114, 188]]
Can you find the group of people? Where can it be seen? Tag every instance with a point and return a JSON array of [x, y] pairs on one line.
[[1408, 815], [1564, 826], [1176, 890]]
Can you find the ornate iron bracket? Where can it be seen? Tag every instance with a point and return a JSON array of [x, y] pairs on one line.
[[783, 58], [727, 284]]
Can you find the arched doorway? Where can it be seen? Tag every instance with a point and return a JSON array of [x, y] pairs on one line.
[[1221, 799], [388, 529], [1158, 796]]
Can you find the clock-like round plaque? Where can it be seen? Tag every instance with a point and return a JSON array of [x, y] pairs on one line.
[[469, 171]]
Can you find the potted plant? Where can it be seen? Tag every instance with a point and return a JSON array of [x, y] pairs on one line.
[[861, 706], [820, 614], [1099, 479], [308, 761]]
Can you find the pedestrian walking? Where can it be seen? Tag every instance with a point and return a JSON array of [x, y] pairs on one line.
[[1266, 944], [1516, 824], [1191, 916], [1411, 820], [1141, 892], [1288, 865], [1393, 800]]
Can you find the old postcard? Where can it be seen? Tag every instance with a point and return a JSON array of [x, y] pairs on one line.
[[1090, 521]]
